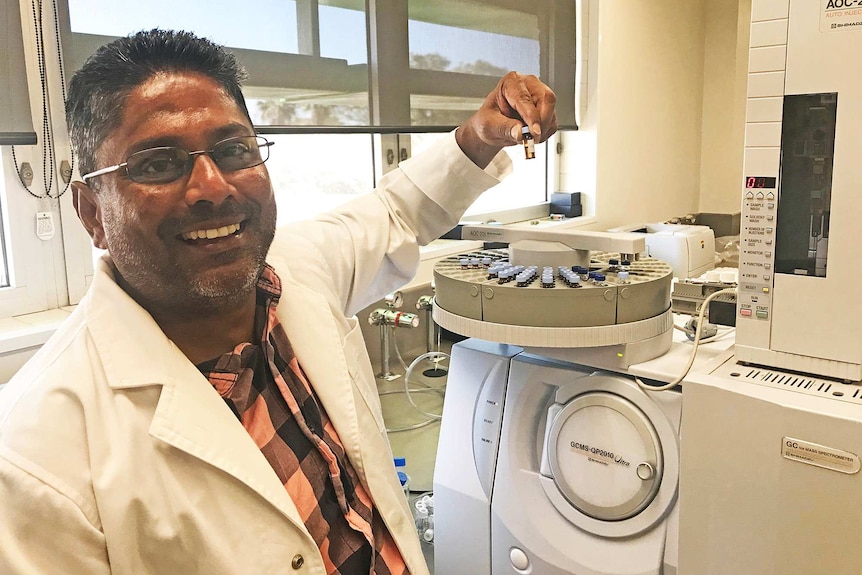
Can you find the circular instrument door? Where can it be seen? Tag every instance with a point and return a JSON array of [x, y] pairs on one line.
[[605, 456]]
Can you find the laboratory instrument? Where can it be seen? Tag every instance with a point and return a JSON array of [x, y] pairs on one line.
[[552, 459], [688, 248], [772, 437], [800, 207]]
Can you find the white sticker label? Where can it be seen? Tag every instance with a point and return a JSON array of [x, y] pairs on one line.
[[820, 455], [840, 15]]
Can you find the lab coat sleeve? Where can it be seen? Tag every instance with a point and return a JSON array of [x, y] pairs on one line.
[[370, 246], [42, 530]]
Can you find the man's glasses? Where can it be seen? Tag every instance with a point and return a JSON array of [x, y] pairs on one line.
[[167, 164]]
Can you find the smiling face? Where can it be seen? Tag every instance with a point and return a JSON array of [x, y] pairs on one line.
[[196, 244]]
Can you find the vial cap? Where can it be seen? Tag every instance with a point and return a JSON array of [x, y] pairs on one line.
[[525, 130], [400, 462], [402, 477]]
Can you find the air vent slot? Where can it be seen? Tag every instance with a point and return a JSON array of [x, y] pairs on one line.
[[793, 382]]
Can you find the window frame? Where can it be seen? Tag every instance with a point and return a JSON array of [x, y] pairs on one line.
[[37, 267], [29, 259]]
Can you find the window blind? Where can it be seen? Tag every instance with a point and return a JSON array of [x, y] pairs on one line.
[[16, 123]]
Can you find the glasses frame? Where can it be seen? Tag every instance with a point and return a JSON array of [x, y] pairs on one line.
[[124, 165]]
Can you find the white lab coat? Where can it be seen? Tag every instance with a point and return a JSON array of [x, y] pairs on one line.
[[117, 456]]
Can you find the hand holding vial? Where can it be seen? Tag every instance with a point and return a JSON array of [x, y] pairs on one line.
[[517, 102]]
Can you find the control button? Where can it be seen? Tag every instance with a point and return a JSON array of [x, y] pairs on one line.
[[519, 559], [769, 242], [767, 254], [766, 277], [768, 230], [770, 206], [749, 195], [645, 471], [745, 312], [762, 314], [765, 290], [767, 266], [770, 196], [770, 217], [759, 195]]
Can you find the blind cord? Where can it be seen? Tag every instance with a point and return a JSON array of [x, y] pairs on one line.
[[49, 156]]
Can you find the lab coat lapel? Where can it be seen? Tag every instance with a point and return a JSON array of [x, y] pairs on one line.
[[319, 347], [190, 415], [330, 359]]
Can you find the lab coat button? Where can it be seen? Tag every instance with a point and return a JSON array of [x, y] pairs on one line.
[[297, 561]]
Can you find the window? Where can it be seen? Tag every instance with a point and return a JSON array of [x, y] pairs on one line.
[[328, 79], [305, 184], [431, 61], [224, 21], [306, 67], [33, 271], [526, 186], [452, 41]]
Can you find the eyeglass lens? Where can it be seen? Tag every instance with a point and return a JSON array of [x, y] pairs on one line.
[[166, 164]]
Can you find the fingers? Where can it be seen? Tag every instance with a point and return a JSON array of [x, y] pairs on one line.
[[517, 101], [529, 100]]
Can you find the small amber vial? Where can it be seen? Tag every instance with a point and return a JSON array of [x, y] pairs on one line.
[[529, 146]]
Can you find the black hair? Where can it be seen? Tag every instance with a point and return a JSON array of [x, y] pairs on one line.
[[98, 91]]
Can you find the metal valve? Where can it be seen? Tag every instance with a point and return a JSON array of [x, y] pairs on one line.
[[389, 318], [425, 302], [394, 299], [394, 318]]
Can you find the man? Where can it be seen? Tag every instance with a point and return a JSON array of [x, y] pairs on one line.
[[210, 407]]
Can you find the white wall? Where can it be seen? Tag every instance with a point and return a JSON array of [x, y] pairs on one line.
[[726, 34], [662, 133]]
